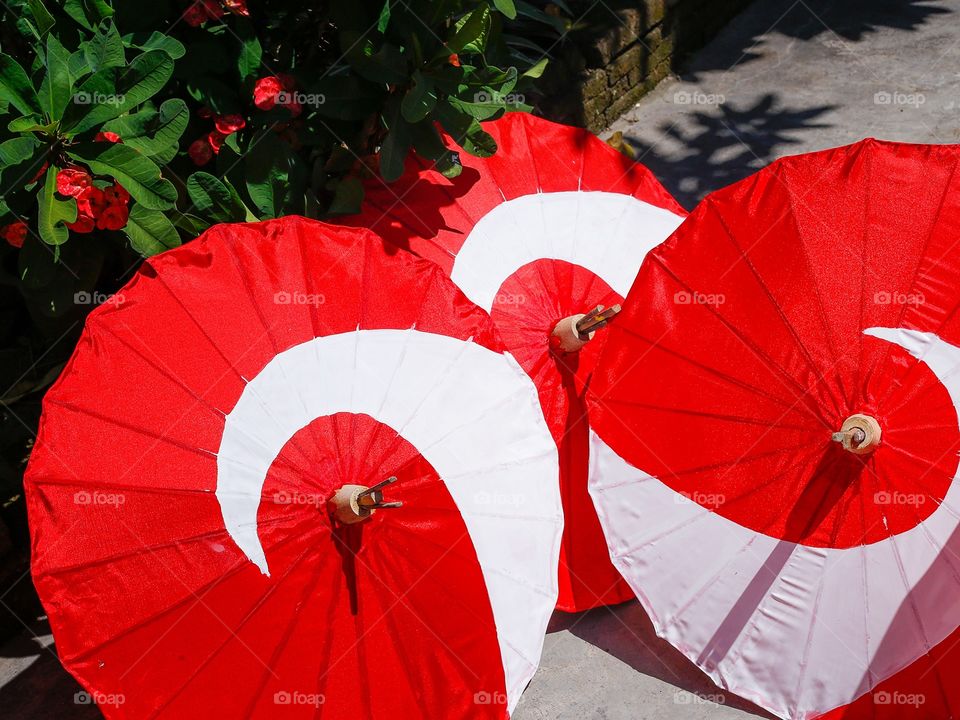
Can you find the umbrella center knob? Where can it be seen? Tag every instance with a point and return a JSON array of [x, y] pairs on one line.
[[354, 503], [575, 331], [859, 434]]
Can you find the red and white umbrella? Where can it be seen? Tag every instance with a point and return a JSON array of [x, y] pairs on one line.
[[194, 486], [776, 448], [553, 225]]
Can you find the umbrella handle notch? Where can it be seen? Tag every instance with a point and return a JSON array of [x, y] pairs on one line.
[[355, 503], [575, 331]]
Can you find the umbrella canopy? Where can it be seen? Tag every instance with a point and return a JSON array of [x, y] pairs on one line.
[[553, 225], [777, 445], [200, 541]]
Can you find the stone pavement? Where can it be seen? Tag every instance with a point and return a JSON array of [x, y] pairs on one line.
[[784, 77]]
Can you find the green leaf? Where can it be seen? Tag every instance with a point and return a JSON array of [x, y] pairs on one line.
[[111, 92], [53, 213], [87, 13], [30, 123], [537, 70], [384, 20], [466, 132], [419, 100], [105, 48], [471, 32], [427, 142], [396, 145], [507, 8], [150, 231], [156, 41], [251, 53], [212, 199], [57, 83], [347, 197], [151, 132], [17, 150], [15, 86], [137, 173], [268, 170], [488, 105], [41, 16]]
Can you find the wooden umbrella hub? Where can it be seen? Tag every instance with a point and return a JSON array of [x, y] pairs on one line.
[[575, 331], [355, 503], [859, 434]]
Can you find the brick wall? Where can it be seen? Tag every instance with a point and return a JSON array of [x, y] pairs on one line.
[[622, 52]]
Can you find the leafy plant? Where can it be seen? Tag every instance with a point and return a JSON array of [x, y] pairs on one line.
[[127, 128]]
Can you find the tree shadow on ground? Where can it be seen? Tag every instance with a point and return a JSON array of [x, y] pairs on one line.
[[724, 144]]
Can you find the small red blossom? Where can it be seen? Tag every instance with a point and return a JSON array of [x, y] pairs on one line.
[[265, 92], [14, 233], [113, 217], [116, 194], [454, 60], [216, 139], [90, 203], [72, 182], [237, 7], [229, 124], [201, 11], [107, 136], [200, 151]]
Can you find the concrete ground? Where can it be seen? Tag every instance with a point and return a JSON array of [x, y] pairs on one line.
[[784, 77]]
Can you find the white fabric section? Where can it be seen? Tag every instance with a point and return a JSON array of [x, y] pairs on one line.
[[798, 630], [472, 413], [607, 233]]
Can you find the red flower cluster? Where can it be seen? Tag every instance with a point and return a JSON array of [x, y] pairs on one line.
[[274, 90], [202, 10], [203, 149], [107, 136], [14, 233], [106, 209]]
